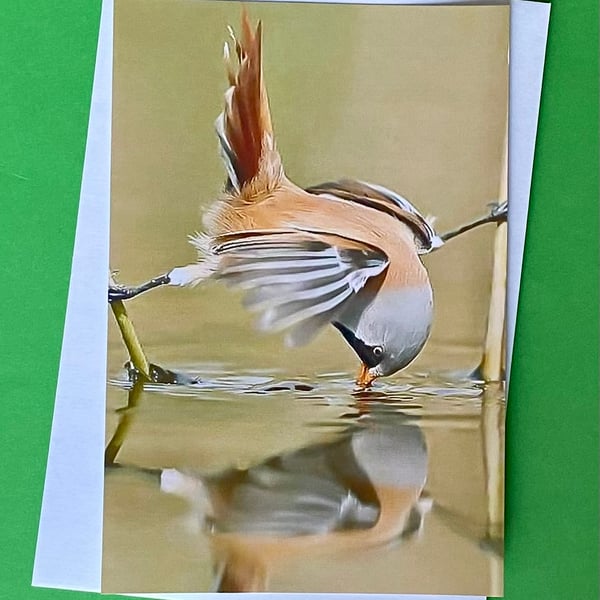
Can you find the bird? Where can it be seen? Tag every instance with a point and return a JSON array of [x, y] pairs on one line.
[[344, 253]]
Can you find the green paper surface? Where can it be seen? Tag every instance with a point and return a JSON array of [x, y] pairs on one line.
[[47, 59]]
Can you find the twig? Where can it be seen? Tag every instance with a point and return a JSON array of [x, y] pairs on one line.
[[130, 338]]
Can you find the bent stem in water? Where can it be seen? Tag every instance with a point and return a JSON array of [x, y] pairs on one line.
[[130, 338]]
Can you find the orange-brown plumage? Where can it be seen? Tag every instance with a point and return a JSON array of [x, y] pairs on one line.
[[266, 199], [246, 125], [344, 252]]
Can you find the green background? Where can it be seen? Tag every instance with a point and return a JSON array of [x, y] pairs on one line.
[[47, 54]]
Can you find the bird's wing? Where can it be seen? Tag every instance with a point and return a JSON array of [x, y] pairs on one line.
[[382, 199], [297, 280]]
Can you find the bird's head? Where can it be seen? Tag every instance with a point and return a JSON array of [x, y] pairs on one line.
[[389, 332]]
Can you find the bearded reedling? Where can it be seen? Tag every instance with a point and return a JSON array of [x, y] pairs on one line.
[[346, 253]]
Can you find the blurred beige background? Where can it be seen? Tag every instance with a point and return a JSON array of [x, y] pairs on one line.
[[413, 98]]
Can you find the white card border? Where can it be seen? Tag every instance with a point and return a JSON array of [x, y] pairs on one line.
[[69, 546]]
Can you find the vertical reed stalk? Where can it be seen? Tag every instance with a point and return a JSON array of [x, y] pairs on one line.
[[492, 362]]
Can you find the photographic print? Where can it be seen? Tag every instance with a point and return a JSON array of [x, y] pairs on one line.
[[308, 259]]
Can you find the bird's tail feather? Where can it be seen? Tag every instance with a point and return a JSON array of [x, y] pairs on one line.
[[244, 127]]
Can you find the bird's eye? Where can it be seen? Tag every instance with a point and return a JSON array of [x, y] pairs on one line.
[[370, 355]]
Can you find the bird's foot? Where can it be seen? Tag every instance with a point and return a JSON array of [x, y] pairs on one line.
[[157, 374], [120, 292], [499, 211], [116, 291]]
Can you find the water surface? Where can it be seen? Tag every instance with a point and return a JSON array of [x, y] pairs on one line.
[[253, 479]]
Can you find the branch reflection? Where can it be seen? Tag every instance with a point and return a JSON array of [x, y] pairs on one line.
[[364, 488]]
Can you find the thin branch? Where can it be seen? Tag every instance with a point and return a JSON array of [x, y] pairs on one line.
[[130, 338]]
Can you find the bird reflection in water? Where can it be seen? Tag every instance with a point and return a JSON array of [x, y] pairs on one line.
[[364, 489], [361, 491]]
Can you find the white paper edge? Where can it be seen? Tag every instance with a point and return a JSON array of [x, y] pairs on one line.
[[528, 32], [69, 547]]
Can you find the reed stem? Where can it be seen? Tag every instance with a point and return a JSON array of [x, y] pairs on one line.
[[130, 338], [492, 362]]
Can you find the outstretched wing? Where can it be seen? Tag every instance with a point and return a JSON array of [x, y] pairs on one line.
[[297, 280]]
